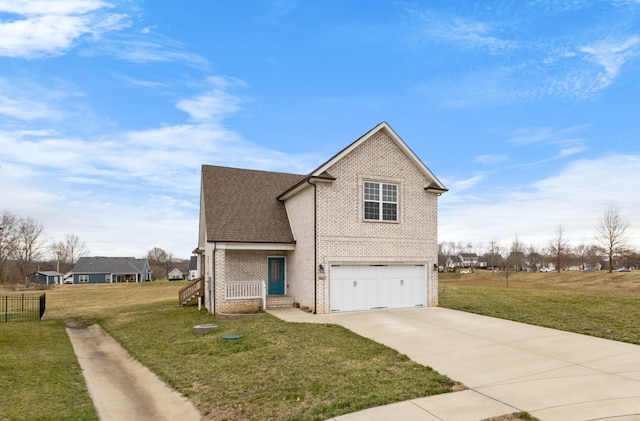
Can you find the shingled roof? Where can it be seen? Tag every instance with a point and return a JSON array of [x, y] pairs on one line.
[[242, 205], [119, 265]]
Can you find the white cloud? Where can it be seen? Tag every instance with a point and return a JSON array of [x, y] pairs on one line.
[[21, 99], [215, 103], [513, 68], [467, 32], [50, 27], [491, 159], [25, 109], [465, 184], [148, 49], [544, 134], [575, 198], [53, 7], [611, 55], [114, 190], [139, 187]]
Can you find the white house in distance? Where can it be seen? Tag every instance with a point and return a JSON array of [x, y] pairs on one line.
[[357, 233]]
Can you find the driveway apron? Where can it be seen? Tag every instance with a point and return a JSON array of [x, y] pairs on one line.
[[507, 366], [121, 388]]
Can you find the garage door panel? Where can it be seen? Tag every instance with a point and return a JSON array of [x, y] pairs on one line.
[[369, 287]]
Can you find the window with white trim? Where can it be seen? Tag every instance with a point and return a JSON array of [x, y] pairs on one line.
[[380, 201], [83, 278]]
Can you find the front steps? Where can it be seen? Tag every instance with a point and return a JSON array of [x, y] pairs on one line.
[[279, 301]]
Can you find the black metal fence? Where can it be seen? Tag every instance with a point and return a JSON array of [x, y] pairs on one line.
[[22, 308]]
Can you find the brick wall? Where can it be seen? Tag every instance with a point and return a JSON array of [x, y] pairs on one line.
[[300, 264], [344, 236], [240, 265]]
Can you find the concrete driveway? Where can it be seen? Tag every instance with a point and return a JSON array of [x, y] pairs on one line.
[[507, 366]]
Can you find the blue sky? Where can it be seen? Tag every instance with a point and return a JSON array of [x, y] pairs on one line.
[[526, 110]]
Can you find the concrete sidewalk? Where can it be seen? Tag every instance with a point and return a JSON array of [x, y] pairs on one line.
[[507, 366], [121, 388]]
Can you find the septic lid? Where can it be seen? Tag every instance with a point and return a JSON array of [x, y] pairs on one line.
[[231, 337], [204, 328]]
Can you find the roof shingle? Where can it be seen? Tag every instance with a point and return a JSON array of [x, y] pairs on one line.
[[241, 205], [119, 265]]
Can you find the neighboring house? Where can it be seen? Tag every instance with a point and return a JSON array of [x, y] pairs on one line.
[[468, 260], [175, 274], [193, 268], [452, 263], [104, 270], [482, 262], [46, 277], [357, 233]]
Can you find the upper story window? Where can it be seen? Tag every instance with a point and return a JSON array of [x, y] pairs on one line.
[[380, 201]]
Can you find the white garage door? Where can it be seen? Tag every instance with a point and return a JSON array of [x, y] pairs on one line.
[[371, 287]]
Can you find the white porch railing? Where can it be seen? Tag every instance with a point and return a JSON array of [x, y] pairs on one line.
[[243, 290]]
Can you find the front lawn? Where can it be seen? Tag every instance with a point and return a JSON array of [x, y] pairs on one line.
[[277, 371], [40, 377]]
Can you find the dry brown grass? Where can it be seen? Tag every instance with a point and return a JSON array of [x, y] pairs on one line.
[[602, 304], [599, 281], [69, 302]]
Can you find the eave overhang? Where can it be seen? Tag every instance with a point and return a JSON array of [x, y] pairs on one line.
[[237, 245], [304, 183]]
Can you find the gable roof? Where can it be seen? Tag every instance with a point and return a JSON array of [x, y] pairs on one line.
[[435, 183], [246, 206], [109, 265], [47, 273], [321, 174], [242, 205]]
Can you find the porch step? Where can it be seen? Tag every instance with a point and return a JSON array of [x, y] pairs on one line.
[[279, 301]]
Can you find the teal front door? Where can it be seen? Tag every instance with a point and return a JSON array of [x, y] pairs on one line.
[[276, 276]]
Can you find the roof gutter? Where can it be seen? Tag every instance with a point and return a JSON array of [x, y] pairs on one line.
[[301, 184], [434, 189]]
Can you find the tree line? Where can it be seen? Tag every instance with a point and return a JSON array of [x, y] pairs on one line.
[[25, 250], [609, 249], [161, 263]]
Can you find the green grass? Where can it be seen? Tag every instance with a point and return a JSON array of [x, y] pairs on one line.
[[605, 314], [278, 371], [40, 378]]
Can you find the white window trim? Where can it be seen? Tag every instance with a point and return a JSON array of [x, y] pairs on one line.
[[83, 279], [380, 201]]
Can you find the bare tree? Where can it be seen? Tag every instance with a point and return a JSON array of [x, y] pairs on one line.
[[29, 247], [8, 241], [581, 251], [58, 253], [534, 257], [68, 251], [559, 247], [516, 255], [493, 252], [158, 258], [612, 234], [74, 248]]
